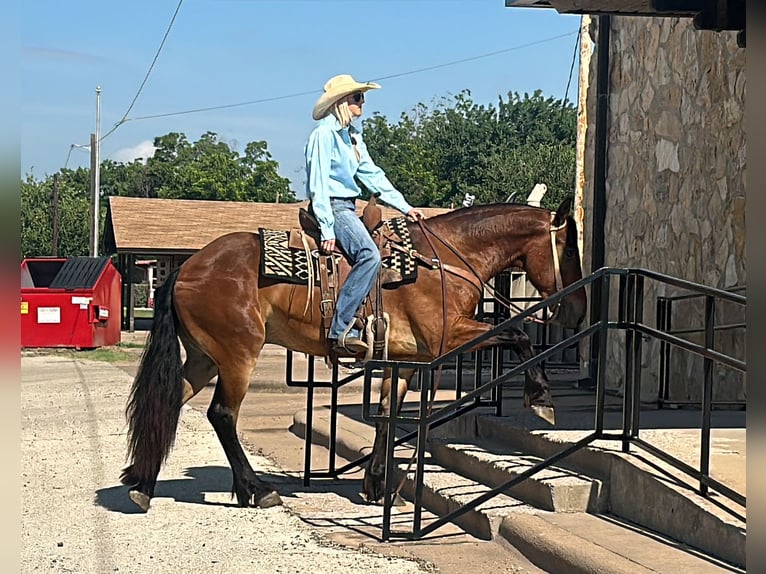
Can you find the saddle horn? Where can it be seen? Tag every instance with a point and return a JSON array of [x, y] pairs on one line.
[[372, 215]]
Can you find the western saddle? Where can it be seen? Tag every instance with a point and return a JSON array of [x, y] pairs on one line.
[[333, 270]]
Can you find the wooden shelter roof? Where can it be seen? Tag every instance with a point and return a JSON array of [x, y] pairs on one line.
[[159, 226]]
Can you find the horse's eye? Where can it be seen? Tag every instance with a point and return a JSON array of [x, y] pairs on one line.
[[570, 252]]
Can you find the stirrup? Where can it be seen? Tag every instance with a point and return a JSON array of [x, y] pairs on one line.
[[352, 345]]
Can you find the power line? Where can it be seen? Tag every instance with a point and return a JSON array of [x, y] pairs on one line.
[[309, 92], [571, 67], [211, 108], [487, 55], [148, 72]]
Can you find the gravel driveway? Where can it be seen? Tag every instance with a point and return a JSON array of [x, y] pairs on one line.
[[76, 517]]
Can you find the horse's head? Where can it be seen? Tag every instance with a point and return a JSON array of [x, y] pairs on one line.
[[556, 265]]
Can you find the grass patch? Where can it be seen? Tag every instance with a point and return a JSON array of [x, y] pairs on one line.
[[124, 345], [140, 312], [103, 354]]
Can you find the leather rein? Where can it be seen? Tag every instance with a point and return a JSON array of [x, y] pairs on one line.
[[475, 279]]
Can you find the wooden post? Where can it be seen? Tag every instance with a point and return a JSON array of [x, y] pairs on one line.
[[583, 83]]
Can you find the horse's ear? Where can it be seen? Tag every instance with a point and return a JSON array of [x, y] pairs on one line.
[[562, 212]]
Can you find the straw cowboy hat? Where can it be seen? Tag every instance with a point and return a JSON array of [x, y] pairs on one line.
[[336, 88]]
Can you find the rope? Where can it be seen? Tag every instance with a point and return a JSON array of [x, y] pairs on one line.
[[442, 347]]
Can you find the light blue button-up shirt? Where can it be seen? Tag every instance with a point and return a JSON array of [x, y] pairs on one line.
[[331, 165]]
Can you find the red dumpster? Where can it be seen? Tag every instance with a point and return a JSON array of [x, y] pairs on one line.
[[72, 302]]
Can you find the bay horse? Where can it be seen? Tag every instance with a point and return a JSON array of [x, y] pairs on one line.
[[218, 307]]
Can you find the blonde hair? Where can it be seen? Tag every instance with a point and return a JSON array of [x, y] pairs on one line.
[[341, 112]]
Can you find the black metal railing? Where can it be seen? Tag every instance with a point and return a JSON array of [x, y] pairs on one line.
[[498, 358], [666, 308], [630, 321]]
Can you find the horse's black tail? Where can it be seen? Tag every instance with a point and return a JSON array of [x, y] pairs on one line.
[[154, 404]]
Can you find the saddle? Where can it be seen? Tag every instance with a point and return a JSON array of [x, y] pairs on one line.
[[333, 271]]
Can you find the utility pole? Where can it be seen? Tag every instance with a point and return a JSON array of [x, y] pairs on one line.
[[55, 201], [95, 177]]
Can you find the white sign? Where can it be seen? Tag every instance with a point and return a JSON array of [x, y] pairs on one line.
[[49, 315], [83, 302]]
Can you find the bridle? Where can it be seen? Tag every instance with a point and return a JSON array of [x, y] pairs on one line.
[[470, 275]]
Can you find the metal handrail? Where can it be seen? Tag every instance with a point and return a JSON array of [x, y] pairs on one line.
[[664, 307], [630, 311]]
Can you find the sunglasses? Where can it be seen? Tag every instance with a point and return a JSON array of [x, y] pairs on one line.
[[357, 98]]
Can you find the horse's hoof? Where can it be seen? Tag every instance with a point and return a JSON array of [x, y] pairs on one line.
[[545, 413], [269, 500], [142, 500], [398, 500]]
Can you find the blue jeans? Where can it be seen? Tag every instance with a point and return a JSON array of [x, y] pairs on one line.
[[355, 241]]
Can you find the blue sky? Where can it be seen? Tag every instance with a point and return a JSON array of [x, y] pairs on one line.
[[224, 52]]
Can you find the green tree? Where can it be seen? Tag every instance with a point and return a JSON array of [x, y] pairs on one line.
[[126, 179], [209, 169], [438, 154], [262, 180], [206, 169], [37, 216]]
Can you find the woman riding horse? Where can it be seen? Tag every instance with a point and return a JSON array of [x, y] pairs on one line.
[[335, 155]]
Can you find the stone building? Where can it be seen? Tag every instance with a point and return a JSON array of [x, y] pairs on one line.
[[674, 183]]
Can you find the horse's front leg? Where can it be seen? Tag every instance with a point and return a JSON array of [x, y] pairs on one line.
[[537, 392], [375, 473]]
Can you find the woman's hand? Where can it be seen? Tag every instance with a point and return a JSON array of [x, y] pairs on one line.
[[328, 246], [415, 214]]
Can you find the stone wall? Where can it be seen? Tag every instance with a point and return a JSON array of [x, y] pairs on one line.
[[675, 190]]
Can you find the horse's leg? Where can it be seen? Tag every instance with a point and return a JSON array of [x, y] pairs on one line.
[[374, 474], [198, 370], [537, 393], [537, 390], [233, 382]]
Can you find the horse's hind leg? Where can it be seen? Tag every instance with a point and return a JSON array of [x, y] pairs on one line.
[[198, 370], [232, 386], [374, 475]]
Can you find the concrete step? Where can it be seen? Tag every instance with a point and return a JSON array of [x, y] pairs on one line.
[[567, 542], [493, 463], [580, 543], [639, 488], [445, 491]]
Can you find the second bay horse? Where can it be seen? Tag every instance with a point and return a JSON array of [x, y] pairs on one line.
[[222, 311]]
